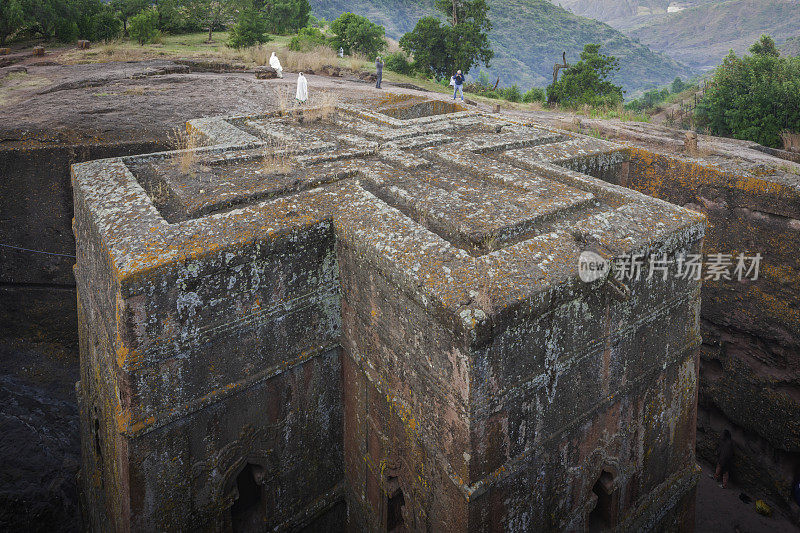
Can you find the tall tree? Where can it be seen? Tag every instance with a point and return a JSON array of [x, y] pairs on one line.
[[286, 16], [12, 18], [428, 43], [765, 46], [754, 97], [250, 29], [210, 14], [459, 44], [588, 81], [355, 33], [127, 9]]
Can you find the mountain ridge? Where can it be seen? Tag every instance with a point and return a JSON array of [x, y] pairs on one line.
[[528, 37], [700, 32]]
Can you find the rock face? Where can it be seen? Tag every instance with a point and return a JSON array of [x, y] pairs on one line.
[[375, 324], [750, 365], [750, 358], [266, 73]]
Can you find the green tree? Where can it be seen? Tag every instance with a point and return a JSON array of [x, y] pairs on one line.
[[678, 86], [468, 42], [13, 16], [754, 97], [127, 9], [512, 94], [250, 29], [210, 14], [587, 81], [355, 33], [535, 94], [459, 44], [285, 16], [306, 39], [765, 46], [398, 62], [107, 25], [429, 44], [144, 26], [172, 16], [51, 18], [86, 12]]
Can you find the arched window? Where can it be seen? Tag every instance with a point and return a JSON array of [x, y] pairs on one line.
[[604, 515], [247, 511], [395, 522]]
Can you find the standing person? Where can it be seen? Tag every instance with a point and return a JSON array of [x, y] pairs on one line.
[[724, 458], [379, 71], [341, 52], [302, 89], [459, 84], [275, 63]]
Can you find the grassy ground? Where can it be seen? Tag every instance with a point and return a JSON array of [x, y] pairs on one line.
[[16, 82], [170, 46], [195, 46]]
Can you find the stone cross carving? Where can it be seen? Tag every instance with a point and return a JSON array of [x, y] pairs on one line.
[[391, 281]]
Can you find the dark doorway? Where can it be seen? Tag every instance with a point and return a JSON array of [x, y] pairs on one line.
[[247, 511], [604, 515], [394, 508]]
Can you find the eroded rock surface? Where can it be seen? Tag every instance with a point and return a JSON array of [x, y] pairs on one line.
[[381, 307]]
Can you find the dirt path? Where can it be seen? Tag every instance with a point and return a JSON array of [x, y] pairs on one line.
[[722, 510]]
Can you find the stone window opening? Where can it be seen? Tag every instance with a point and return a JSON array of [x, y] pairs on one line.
[[395, 502], [247, 511], [604, 515], [98, 448]]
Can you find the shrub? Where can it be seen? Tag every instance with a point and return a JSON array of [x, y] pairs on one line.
[[173, 17], [250, 29], [535, 94], [144, 27], [287, 16], [306, 39], [587, 81], [314, 59], [65, 30], [398, 62], [512, 94], [461, 43], [755, 97], [678, 86], [106, 25]]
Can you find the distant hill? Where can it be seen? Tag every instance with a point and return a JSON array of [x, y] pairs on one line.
[[528, 38], [626, 14], [701, 36], [791, 47]]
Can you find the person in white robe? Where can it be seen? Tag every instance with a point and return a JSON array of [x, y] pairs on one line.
[[275, 63], [302, 88]]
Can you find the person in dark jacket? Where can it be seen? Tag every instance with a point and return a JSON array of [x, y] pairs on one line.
[[379, 71], [724, 458], [459, 79]]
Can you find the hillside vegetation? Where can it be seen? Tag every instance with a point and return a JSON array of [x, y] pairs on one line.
[[791, 47], [701, 36], [626, 14], [528, 37]]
